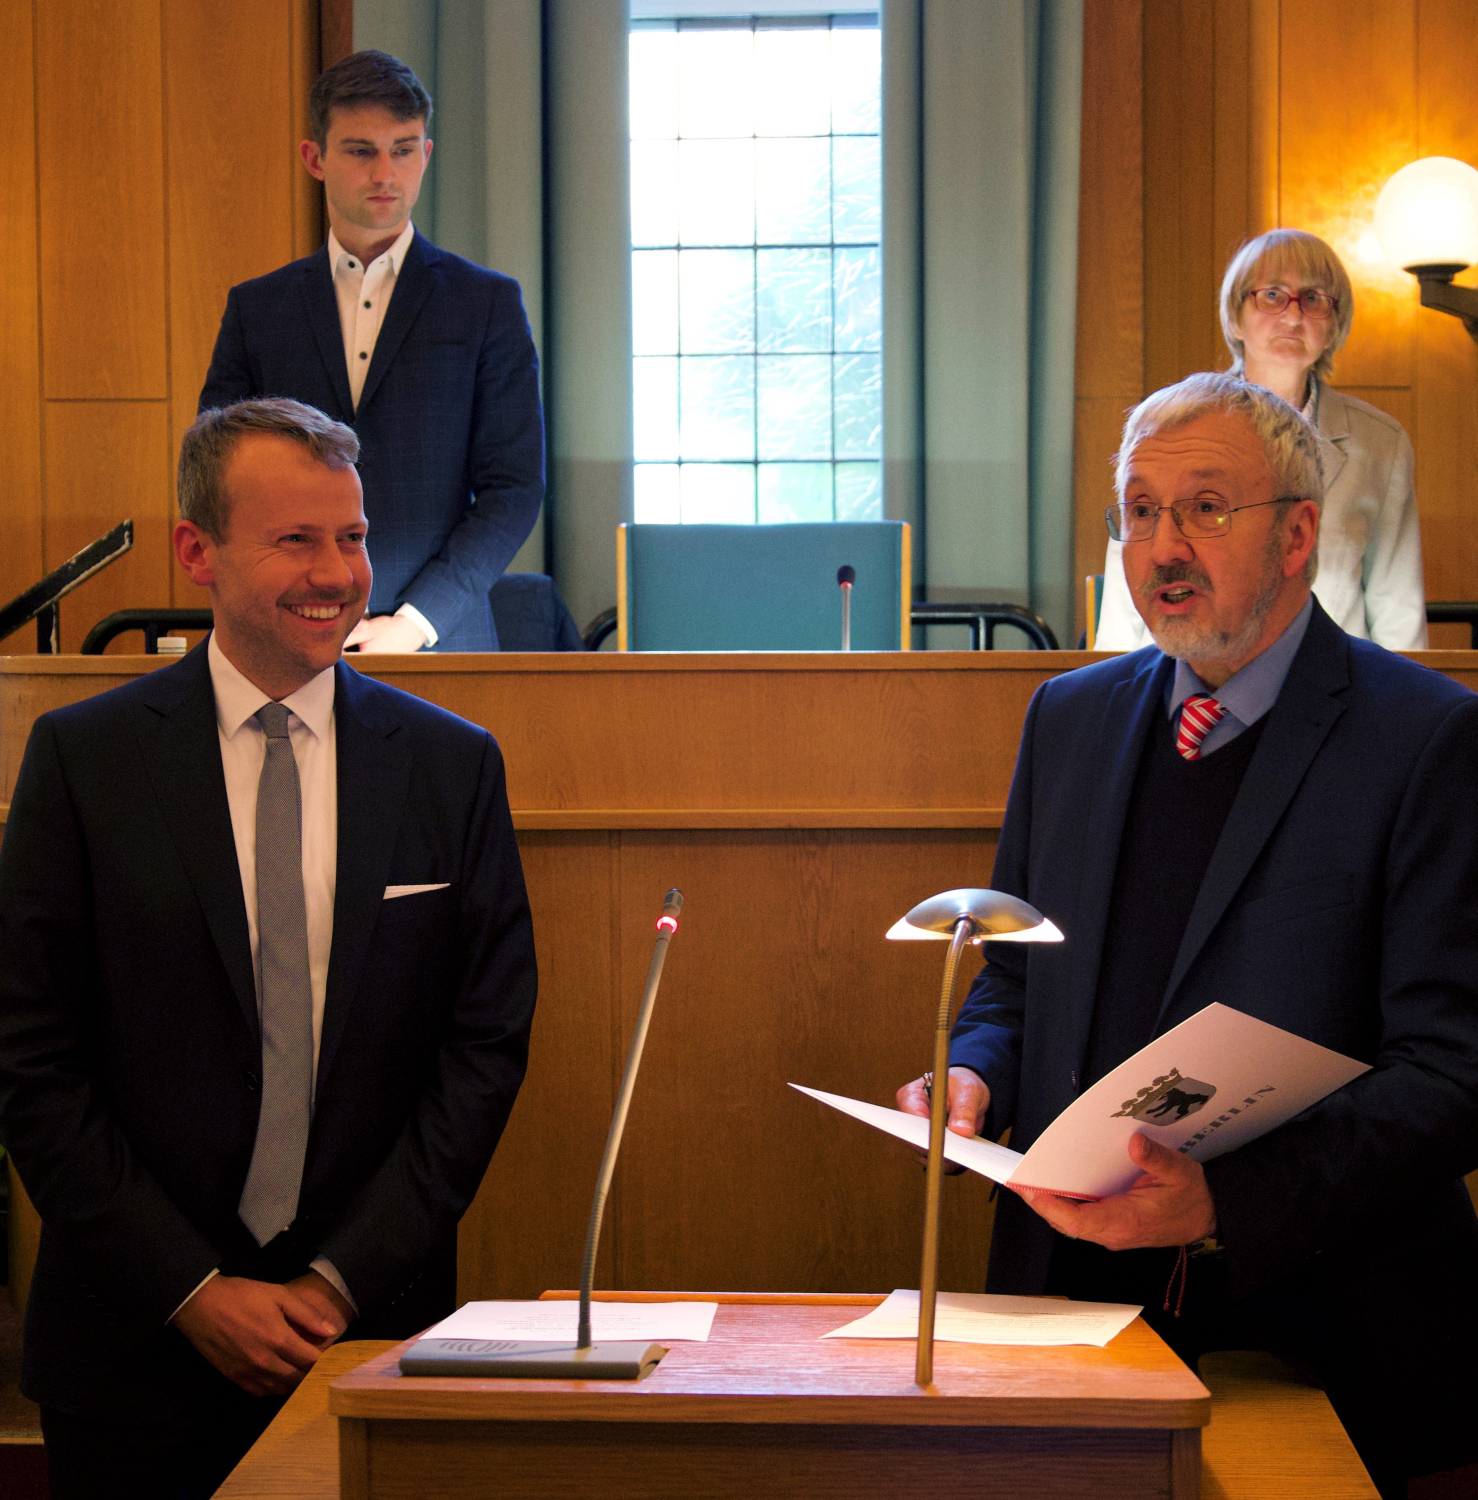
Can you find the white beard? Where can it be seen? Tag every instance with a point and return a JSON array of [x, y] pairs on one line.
[[1185, 640]]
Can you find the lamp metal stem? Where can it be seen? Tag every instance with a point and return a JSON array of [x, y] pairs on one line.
[[938, 1116]]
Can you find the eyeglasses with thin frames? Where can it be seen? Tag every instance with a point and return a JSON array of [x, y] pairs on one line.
[[1316, 304], [1201, 516]]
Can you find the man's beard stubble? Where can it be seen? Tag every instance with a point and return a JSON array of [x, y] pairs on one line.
[[1187, 641]]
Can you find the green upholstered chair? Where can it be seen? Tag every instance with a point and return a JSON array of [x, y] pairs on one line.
[[1093, 598], [761, 588]]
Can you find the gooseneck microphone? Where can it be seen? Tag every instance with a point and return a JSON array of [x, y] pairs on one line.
[[846, 577], [672, 907], [518, 1359]]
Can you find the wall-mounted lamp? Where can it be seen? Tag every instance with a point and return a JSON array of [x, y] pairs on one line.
[[1426, 219]]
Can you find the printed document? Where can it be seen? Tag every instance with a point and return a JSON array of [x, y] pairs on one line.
[[640, 1322], [971, 1318], [1209, 1085]]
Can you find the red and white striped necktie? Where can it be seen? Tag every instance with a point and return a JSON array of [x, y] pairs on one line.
[[1199, 715]]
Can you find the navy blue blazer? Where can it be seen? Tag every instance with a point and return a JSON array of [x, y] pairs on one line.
[[449, 422], [1341, 903], [130, 1048]]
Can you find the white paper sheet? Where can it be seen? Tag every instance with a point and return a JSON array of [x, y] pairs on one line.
[[660, 1322], [978, 1318], [1209, 1085]]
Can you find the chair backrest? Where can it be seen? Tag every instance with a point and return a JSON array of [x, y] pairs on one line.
[[762, 588], [1093, 598]]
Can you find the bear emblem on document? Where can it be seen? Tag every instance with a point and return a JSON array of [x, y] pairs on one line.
[[1168, 1100]]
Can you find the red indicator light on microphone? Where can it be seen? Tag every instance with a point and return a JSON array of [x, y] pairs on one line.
[[667, 924]]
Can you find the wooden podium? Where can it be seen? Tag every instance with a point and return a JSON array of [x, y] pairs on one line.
[[767, 1409]]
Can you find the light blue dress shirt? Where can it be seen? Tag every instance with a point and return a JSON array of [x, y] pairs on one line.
[[1246, 695]]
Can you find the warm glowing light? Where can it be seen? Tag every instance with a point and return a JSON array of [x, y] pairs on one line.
[[1427, 214], [667, 925], [1045, 932]]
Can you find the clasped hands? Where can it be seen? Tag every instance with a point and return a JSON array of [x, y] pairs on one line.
[[1169, 1205], [263, 1336], [385, 633]]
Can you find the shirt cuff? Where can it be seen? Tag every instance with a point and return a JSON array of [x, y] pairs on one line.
[[325, 1268], [411, 613], [211, 1277]]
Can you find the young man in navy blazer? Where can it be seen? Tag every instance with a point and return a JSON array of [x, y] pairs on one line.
[[1263, 812], [147, 1070], [426, 356]]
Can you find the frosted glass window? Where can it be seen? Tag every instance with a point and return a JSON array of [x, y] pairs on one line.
[[793, 295], [717, 298], [716, 192], [795, 492], [717, 396], [721, 494], [658, 496], [858, 299], [859, 492], [654, 392], [653, 85], [654, 302], [857, 383], [795, 406], [756, 286], [792, 192]]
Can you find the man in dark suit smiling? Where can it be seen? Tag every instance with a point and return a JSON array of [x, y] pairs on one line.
[[427, 356], [266, 983]]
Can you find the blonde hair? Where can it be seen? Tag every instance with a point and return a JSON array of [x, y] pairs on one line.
[[1278, 255]]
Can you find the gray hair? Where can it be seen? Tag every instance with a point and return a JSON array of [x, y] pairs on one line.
[[1288, 441], [1278, 254], [211, 439]]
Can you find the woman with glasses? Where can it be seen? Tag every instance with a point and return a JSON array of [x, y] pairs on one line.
[[1286, 308]]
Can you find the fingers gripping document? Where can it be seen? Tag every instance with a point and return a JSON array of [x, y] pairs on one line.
[[1209, 1085]]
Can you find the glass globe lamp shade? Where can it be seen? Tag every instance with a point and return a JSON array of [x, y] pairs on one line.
[[1427, 214]]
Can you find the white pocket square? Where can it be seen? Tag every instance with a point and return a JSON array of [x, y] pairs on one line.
[[392, 891]]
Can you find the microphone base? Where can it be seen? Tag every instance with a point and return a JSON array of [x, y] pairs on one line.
[[530, 1359]]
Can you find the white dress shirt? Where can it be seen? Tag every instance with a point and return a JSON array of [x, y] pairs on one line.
[[310, 729], [364, 293]]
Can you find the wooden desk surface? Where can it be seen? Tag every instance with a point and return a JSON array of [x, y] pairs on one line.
[[1271, 1436], [768, 1362]]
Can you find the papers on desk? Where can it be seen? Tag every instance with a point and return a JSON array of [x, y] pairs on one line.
[[638, 1322], [969, 1318], [1209, 1085]]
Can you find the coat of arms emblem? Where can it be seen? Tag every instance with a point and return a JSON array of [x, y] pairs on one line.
[[1168, 1100]]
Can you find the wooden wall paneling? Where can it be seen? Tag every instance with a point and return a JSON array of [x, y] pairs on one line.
[[1181, 332], [1264, 113], [780, 973], [1232, 132], [525, 1232], [107, 460], [1445, 420], [1110, 341], [1348, 121], [20, 348], [319, 29], [232, 170], [100, 137]]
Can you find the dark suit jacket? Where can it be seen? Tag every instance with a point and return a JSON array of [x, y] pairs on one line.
[[451, 434], [130, 1052], [1341, 903]]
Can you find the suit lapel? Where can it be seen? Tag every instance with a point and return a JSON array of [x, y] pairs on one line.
[[323, 318], [1134, 703], [1298, 724], [1333, 432], [183, 757], [412, 287], [374, 781]]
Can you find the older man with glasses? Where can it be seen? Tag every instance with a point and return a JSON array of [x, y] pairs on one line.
[[1265, 812]]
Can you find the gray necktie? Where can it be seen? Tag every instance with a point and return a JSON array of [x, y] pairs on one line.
[[269, 1202]]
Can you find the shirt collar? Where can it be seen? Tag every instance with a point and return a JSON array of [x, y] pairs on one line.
[[338, 256], [1247, 695], [238, 698]]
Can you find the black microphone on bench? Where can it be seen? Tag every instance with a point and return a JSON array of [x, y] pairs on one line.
[[524, 1359]]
